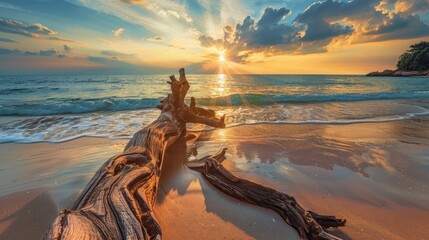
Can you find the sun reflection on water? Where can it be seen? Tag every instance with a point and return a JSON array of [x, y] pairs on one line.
[[221, 78], [220, 88]]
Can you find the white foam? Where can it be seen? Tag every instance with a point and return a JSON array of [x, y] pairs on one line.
[[124, 124]]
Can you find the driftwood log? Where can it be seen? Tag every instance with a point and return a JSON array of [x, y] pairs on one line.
[[309, 225], [118, 201]]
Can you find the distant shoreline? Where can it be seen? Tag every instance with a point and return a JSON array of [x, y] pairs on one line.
[[399, 73]]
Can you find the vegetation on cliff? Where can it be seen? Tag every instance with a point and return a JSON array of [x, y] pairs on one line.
[[414, 62], [416, 58]]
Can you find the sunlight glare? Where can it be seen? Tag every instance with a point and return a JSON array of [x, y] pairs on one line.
[[221, 81], [221, 58], [221, 78]]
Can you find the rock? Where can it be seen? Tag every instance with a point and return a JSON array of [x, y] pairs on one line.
[[398, 73]]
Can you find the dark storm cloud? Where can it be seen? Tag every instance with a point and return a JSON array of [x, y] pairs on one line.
[[319, 25]]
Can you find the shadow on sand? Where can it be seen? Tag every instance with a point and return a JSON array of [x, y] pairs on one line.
[[259, 223], [26, 215]]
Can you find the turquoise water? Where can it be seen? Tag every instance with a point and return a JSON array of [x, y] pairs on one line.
[[60, 108], [318, 150]]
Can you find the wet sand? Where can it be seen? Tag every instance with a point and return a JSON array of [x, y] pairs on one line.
[[373, 174]]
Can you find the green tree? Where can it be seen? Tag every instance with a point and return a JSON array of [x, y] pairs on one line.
[[416, 58]]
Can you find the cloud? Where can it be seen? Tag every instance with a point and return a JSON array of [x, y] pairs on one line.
[[268, 31], [320, 21], [267, 34], [67, 48], [35, 30], [195, 31], [401, 27], [173, 13], [409, 7], [61, 39], [49, 52], [116, 54], [175, 46], [170, 12], [5, 51], [7, 40], [142, 2], [320, 25], [207, 41], [367, 20], [99, 59], [156, 39], [118, 32]]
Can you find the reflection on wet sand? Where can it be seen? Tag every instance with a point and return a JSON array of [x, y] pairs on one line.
[[372, 174], [188, 208], [356, 147], [368, 173]]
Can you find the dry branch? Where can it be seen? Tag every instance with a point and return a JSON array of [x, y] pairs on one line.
[[309, 225]]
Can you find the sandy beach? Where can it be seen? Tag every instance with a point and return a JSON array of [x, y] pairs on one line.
[[372, 174], [104, 103]]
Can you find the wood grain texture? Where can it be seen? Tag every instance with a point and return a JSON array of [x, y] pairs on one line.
[[118, 201], [309, 225]]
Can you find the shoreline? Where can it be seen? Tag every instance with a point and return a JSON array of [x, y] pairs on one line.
[[122, 124]]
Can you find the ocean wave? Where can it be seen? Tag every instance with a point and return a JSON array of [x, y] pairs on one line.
[[124, 124], [68, 127], [8, 91], [56, 106], [260, 99]]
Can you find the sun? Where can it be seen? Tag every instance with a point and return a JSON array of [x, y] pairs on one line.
[[221, 58]]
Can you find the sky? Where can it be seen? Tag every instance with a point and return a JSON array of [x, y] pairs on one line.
[[237, 36]]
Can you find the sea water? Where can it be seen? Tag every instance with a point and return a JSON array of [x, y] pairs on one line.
[[352, 146], [61, 108]]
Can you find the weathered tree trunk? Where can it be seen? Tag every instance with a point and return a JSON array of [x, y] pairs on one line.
[[118, 201]]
